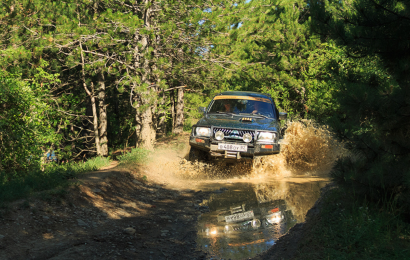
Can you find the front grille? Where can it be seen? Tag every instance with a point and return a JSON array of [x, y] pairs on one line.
[[234, 134]]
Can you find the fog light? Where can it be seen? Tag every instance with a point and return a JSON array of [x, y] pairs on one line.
[[219, 135], [247, 138], [256, 223], [200, 140], [227, 229], [268, 146]]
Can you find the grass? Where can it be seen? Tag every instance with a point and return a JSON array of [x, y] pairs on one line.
[[54, 176], [349, 229], [135, 156]]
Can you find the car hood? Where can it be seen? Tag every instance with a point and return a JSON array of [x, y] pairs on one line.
[[235, 121]]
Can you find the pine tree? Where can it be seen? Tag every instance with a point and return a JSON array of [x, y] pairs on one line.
[[104, 49], [375, 96], [277, 53]]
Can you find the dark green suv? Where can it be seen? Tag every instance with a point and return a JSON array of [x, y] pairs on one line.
[[237, 125]]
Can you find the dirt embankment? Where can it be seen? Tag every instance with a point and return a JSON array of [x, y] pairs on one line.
[[112, 214]]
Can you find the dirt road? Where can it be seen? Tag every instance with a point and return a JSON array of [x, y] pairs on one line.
[[144, 212], [111, 215]]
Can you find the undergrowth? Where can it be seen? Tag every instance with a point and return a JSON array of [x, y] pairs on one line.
[[349, 229], [135, 156], [13, 187]]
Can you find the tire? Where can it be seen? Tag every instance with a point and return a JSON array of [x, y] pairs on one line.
[[196, 155]]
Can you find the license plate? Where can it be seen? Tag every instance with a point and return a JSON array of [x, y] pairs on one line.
[[239, 216], [233, 147]]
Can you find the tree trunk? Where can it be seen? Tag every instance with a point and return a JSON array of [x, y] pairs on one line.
[[103, 115], [93, 105], [179, 123], [95, 120], [137, 125], [172, 97], [146, 109], [162, 117], [147, 130]]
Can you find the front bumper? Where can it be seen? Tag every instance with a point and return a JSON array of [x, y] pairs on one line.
[[254, 149]]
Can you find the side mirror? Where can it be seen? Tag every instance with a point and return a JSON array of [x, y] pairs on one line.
[[202, 110], [283, 115]]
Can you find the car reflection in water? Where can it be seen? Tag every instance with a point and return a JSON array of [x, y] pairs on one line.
[[239, 226]]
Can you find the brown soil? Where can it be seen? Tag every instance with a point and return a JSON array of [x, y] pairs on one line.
[[115, 213], [111, 214]]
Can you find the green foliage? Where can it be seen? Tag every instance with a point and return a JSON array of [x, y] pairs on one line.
[[53, 176], [276, 53], [24, 128], [193, 101], [187, 126], [135, 156], [374, 96], [92, 164], [348, 229]]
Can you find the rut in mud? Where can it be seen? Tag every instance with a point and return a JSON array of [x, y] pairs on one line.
[[174, 209]]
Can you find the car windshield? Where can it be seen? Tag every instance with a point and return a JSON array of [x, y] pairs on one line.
[[247, 105]]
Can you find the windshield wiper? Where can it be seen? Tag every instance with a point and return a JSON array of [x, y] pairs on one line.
[[262, 115], [226, 113], [251, 114]]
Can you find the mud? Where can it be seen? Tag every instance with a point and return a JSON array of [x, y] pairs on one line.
[[248, 218], [157, 210], [118, 217]]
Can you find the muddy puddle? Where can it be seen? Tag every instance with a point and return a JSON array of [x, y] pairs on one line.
[[245, 219], [253, 204]]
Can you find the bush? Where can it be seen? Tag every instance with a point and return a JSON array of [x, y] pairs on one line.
[[137, 155], [24, 132], [53, 176], [348, 229], [187, 126]]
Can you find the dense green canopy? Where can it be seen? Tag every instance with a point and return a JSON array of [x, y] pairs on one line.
[[374, 96]]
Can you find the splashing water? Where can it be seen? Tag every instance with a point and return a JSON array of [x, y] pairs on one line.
[[308, 148]]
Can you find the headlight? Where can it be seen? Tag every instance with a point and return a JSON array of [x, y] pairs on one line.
[[203, 131], [213, 231], [256, 223], [219, 135], [267, 136], [247, 138]]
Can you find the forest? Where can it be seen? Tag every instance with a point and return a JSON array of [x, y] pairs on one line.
[[85, 78]]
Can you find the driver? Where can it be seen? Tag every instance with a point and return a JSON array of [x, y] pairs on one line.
[[228, 107], [256, 107]]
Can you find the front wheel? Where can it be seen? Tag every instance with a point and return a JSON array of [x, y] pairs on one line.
[[196, 154]]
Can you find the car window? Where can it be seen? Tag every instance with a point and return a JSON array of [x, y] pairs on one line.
[[242, 106]]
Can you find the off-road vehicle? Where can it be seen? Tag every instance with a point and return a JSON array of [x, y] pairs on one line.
[[237, 125]]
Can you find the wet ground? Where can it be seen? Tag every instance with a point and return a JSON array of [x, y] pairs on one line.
[[246, 219], [168, 209]]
